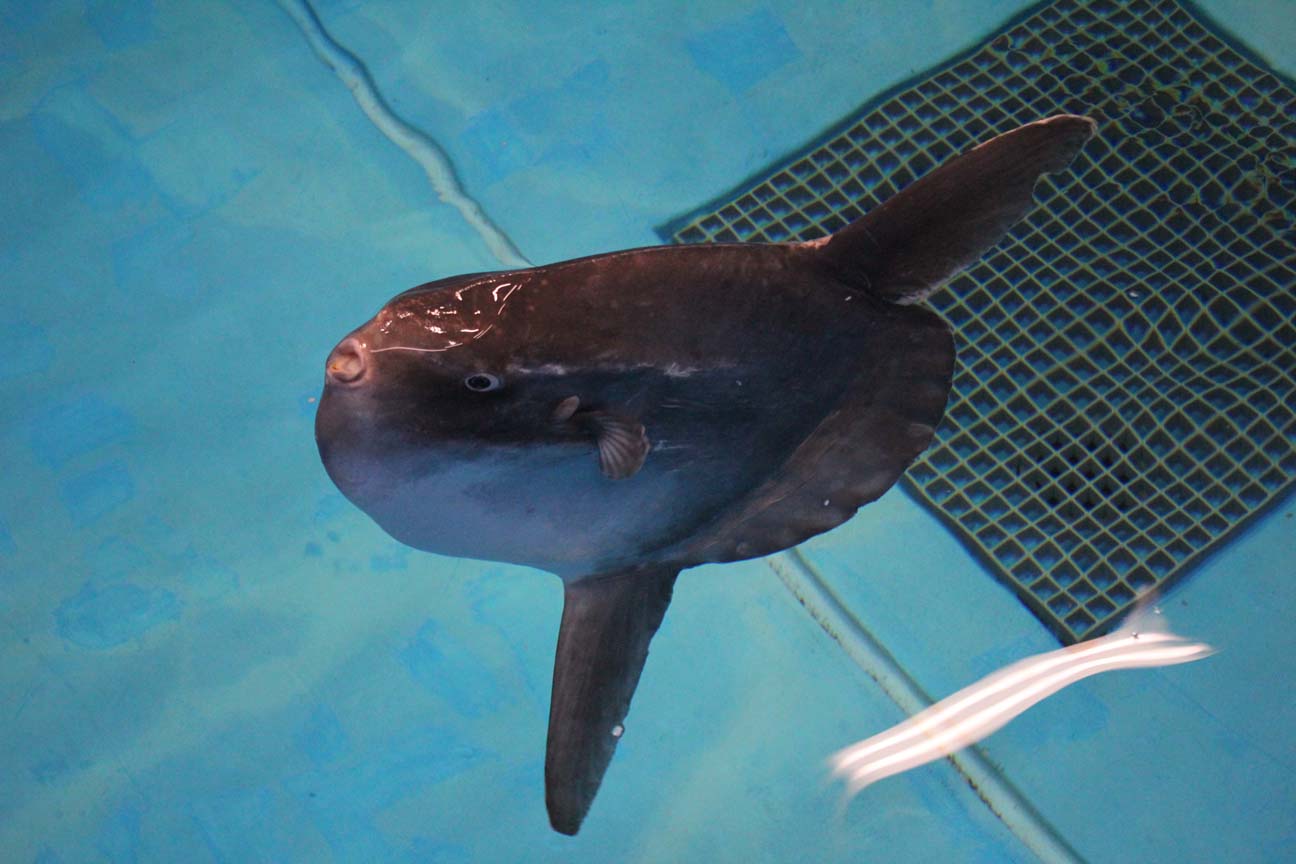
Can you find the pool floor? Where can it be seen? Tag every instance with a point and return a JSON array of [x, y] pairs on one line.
[[208, 655]]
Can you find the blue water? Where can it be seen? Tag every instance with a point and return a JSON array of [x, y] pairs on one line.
[[208, 655]]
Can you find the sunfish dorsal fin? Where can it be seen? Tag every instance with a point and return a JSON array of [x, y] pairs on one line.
[[910, 244], [607, 623]]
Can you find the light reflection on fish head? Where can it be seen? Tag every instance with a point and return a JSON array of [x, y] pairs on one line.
[[425, 381]]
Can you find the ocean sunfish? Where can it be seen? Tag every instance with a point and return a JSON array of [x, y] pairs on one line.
[[618, 418]]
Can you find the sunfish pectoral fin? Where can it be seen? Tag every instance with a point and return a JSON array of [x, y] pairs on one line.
[[622, 443], [607, 623], [565, 409]]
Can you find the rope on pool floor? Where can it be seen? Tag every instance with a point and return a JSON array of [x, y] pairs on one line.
[[998, 793], [417, 144]]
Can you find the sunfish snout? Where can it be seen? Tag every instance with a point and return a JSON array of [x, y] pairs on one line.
[[348, 362]]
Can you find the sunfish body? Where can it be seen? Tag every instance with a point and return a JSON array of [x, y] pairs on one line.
[[618, 418]]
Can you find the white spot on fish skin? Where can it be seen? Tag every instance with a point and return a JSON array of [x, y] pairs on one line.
[[825, 502], [618, 730], [546, 369]]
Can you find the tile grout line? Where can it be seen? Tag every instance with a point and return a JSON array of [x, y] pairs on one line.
[[417, 144], [999, 794]]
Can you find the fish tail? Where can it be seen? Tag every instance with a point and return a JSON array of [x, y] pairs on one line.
[[912, 243]]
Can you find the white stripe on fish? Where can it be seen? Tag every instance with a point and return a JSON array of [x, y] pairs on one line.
[[981, 708]]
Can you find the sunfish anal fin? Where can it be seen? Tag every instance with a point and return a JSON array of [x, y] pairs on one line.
[[622, 443], [607, 623]]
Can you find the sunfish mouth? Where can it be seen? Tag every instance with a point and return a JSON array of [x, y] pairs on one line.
[[347, 363]]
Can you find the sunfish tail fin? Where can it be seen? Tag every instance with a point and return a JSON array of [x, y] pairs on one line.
[[908, 246], [607, 623]]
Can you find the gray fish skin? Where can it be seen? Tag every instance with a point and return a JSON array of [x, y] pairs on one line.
[[617, 418]]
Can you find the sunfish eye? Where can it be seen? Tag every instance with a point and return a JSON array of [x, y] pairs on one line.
[[483, 382]]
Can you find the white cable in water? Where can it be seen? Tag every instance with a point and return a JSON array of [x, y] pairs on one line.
[[414, 142]]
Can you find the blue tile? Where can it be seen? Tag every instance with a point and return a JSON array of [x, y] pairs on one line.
[[498, 147], [195, 171], [119, 836], [158, 260], [744, 51], [93, 149], [543, 109], [120, 25], [49, 767], [28, 350], [74, 428], [346, 800], [7, 546], [435, 851], [92, 495], [206, 576], [448, 669], [101, 618], [330, 506], [20, 16], [393, 561], [248, 824], [578, 146], [116, 559], [322, 737], [544, 125]]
